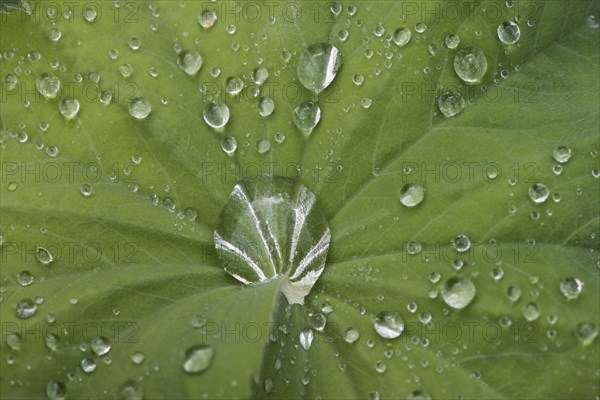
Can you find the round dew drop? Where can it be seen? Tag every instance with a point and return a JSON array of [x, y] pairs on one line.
[[198, 359], [571, 288], [538, 193], [306, 116], [233, 85], [229, 145], [401, 36], [216, 114], [562, 154], [458, 292], [69, 107], [411, 194], [266, 106], [389, 324], [508, 32], [190, 62], [207, 19], [586, 332], [140, 108], [461, 243], [451, 104], [48, 85], [470, 64], [306, 338], [318, 65]]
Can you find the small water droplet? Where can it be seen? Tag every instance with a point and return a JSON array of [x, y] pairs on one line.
[[266, 106], [461, 243], [233, 85], [88, 365], [26, 308], [56, 390], [101, 345], [586, 332], [538, 193], [25, 278], [452, 41], [562, 154], [48, 85], [306, 338], [229, 144], [43, 255], [306, 116], [531, 311], [69, 107], [260, 75], [508, 32], [351, 335], [571, 287], [411, 194], [207, 19], [190, 62]]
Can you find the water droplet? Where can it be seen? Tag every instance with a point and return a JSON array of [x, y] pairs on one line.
[[229, 144], [538, 193], [260, 75], [54, 35], [458, 292], [389, 324], [86, 190], [318, 322], [418, 395], [451, 103], [318, 66], [263, 146], [13, 341], [56, 390], [101, 345], [216, 114], [452, 41], [351, 335], [88, 365], [306, 116], [43, 255], [48, 85], [411, 194], [461, 243], [90, 13], [69, 107], [432, 49], [420, 27], [51, 342], [26, 308], [190, 62], [586, 332], [280, 215], [233, 85], [266, 106], [137, 358], [126, 70], [140, 108], [593, 22], [562, 154], [509, 32], [531, 311], [131, 390], [25, 278], [413, 247], [198, 359], [497, 274], [207, 19], [402, 36], [306, 338], [571, 287], [358, 79], [470, 64]]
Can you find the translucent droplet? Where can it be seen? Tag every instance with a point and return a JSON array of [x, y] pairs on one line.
[[101, 345], [51, 342], [413, 247], [562, 154], [54, 35], [25, 278], [266, 106], [470, 64], [418, 395], [497, 274], [306, 116], [586, 332], [43, 255], [539, 193], [260, 75], [216, 114], [271, 227], [458, 292], [140, 108], [571, 287], [56, 390], [88, 365], [233, 85], [411, 194], [13, 341], [190, 62], [86, 190], [508, 32], [263, 146], [137, 358], [351, 335], [306, 338], [420, 27], [318, 321], [207, 19], [198, 359], [452, 41], [69, 107], [389, 324], [593, 22], [26, 308], [451, 103], [358, 79], [432, 49], [48, 85], [229, 144], [90, 13], [402, 36], [317, 66], [126, 70], [531, 311], [131, 390], [461, 243]]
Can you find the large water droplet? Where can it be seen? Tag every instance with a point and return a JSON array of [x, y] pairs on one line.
[[531, 311], [389, 324], [401, 36], [306, 116], [207, 19], [198, 359], [216, 114], [233, 85], [140, 108], [229, 144], [260, 75], [271, 227], [318, 66], [458, 292], [48, 85], [88, 365], [586, 332], [306, 338], [412, 194], [266, 106], [509, 32], [101, 345], [562, 154], [25, 278], [69, 107], [470, 64], [351, 335], [26, 308], [571, 287], [56, 390], [451, 103], [190, 62], [461, 243], [538, 193]]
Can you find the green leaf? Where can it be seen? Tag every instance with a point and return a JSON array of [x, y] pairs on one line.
[[134, 261]]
